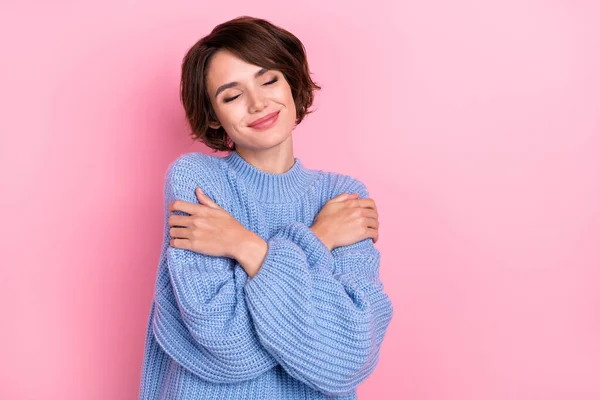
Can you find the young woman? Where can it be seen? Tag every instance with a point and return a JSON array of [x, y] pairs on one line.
[[268, 285]]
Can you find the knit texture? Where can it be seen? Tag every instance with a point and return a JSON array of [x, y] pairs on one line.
[[308, 325]]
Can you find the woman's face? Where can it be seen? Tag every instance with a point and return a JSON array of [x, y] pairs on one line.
[[242, 93]]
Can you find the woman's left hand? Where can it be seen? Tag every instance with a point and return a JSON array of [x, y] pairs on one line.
[[208, 229]]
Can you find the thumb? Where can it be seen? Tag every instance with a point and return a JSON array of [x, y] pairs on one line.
[[205, 200], [344, 196]]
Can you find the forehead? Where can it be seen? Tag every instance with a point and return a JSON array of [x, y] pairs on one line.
[[226, 67]]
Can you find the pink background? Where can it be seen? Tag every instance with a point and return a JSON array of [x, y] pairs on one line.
[[475, 124]]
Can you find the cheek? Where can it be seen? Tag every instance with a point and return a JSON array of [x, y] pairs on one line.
[[291, 105], [283, 95], [231, 114], [291, 100]]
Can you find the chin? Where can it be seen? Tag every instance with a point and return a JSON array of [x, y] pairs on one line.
[[274, 141], [268, 138]]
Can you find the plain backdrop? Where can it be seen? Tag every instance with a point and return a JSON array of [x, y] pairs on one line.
[[474, 124]]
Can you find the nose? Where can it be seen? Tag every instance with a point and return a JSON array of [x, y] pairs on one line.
[[257, 102]]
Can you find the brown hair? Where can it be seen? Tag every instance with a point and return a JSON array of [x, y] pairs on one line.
[[257, 42]]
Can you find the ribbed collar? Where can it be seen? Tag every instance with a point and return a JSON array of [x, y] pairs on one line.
[[272, 188]]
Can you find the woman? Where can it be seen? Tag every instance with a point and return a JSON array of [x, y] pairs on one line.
[[268, 285]]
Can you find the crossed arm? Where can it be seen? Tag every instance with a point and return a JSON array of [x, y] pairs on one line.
[[320, 314]]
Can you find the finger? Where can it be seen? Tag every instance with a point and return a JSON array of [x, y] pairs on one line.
[[369, 213], [372, 222], [184, 206], [181, 243], [344, 197], [371, 201], [205, 200], [179, 233], [372, 233], [352, 196], [179, 220], [366, 202]]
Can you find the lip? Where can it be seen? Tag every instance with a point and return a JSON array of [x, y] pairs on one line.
[[265, 121]]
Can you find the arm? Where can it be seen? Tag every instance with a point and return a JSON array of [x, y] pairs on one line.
[[321, 314], [201, 318]]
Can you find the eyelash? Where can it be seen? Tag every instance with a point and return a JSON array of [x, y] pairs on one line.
[[227, 100]]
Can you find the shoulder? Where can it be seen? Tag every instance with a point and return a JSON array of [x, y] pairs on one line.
[[339, 183], [192, 170], [193, 165]]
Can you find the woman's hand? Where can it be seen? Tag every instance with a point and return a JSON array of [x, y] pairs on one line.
[[208, 229], [345, 220]]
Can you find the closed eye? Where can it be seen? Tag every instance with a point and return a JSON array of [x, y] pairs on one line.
[[272, 81], [227, 100]]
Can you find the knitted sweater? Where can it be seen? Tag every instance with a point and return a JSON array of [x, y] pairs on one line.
[[308, 325]]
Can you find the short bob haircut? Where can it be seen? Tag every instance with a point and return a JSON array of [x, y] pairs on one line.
[[257, 42]]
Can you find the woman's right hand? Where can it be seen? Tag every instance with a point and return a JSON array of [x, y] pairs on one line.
[[345, 220]]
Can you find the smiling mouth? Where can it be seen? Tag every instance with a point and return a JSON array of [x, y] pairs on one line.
[[265, 122]]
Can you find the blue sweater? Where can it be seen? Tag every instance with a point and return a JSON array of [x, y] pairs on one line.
[[308, 325]]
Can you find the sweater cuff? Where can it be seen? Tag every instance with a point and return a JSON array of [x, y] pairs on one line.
[[316, 251]]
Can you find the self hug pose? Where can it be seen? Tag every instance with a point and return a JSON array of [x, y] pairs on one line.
[[268, 284]]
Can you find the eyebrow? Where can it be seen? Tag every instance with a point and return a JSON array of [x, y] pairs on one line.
[[232, 84]]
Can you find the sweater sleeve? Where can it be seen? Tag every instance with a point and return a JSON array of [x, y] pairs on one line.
[[321, 314], [201, 318]]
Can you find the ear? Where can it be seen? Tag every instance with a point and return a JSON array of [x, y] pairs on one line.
[[214, 125]]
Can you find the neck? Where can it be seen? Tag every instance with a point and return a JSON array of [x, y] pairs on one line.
[[272, 187], [275, 160]]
